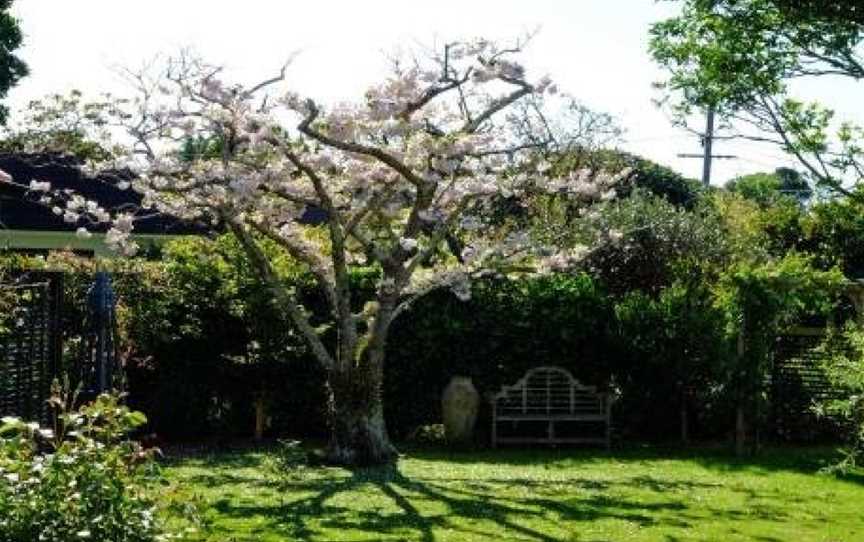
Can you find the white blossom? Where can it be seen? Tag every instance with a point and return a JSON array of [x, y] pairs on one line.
[[408, 244], [40, 186]]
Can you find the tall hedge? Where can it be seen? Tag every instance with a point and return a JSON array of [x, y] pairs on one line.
[[505, 329]]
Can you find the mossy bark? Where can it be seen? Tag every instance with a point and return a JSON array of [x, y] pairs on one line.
[[358, 432]]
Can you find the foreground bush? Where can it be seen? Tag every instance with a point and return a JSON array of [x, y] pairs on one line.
[[844, 367], [81, 481]]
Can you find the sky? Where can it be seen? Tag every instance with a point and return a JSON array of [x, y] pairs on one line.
[[596, 50]]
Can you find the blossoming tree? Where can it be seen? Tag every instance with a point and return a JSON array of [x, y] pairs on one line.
[[418, 160]]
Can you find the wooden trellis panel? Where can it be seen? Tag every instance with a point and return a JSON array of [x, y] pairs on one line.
[[797, 383], [30, 351]]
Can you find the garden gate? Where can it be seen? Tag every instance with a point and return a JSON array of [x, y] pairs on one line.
[[31, 347]]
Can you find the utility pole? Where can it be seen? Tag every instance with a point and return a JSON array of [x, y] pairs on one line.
[[707, 142], [707, 146]]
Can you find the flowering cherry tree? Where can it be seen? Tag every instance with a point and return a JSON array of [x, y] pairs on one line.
[[420, 159]]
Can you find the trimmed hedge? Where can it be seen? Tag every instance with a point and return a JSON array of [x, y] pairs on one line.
[[505, 329]]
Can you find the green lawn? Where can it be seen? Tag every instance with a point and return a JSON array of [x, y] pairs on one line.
[[541, 495]]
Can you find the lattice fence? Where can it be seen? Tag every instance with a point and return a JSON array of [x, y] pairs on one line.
[[797, 383], [31, 348]]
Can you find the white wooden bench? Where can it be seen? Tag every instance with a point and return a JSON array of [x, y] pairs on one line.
[[551, 395]]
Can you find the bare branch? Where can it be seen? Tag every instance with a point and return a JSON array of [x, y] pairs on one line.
[[280, 291], [524, 89], [356, 148], [273, 80]]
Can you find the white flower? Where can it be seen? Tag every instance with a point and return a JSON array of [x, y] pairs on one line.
[[124, 223], [82, 233], [83, 534], [468, 254], [40, 186], [70, 217], [77, 202], [5, 177], [470, 223], [544, 84], [408, 244], [462, 290]]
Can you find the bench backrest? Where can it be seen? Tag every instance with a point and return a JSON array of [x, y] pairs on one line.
[[549, 390]]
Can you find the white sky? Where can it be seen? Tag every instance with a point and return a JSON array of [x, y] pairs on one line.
[[595, 49]]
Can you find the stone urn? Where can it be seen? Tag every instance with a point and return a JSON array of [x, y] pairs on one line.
[[459, 405]]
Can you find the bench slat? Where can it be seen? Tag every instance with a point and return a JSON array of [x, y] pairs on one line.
[[550, 394]]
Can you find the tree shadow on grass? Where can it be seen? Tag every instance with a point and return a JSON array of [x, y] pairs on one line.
[[479, 512], [383, 503]]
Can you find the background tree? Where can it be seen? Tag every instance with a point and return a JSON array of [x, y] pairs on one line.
[[12, 68], [738, 57], [817, 9], [770, 188], [843, 364]]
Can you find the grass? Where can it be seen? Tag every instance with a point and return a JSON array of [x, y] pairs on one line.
[[536, 495]]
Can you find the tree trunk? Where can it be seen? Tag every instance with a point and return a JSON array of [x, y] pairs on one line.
[[358, 433]]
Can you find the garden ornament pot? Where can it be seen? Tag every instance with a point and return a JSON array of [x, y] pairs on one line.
[[459, 405]]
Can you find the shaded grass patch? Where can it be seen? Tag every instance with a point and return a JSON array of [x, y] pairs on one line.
[[540, 495]]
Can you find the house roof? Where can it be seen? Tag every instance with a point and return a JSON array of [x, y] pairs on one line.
[[18, 212]]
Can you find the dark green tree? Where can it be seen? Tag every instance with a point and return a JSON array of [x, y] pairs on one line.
[[769, 188], [12, 68], [820, 9]]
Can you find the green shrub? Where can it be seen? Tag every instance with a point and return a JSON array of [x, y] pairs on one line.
[[843, 365], [647, 175], [644, 242], [674, 350], [760, 301], [82, 480], [506, 328]]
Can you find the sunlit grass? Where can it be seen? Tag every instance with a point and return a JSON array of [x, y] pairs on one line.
[[541, 495]]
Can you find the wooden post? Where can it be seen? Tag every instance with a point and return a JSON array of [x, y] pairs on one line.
[[260, 417], [494, 423], [740, 426]]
